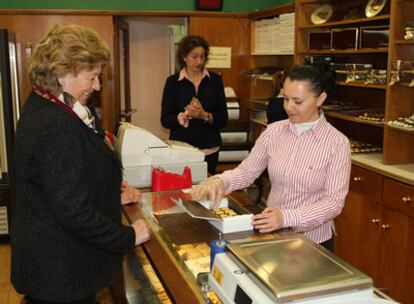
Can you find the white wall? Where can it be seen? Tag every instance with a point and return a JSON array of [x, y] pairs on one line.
[[151, 50]]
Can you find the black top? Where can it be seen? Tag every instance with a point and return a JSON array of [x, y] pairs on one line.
[[275, 110], [66, 233], [178, 94]]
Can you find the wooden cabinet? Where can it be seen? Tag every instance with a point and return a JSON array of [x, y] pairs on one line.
[[391, 102], [376, 229]]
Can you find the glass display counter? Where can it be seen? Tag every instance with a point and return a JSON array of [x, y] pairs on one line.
[[178, 249]]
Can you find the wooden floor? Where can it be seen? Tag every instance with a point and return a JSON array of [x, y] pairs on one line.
[[8, 294]]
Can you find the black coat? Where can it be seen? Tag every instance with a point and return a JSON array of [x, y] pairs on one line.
[[66, 234], [178, 94]]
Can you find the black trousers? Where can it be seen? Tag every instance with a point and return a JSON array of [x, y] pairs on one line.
[[88, 300], [212, 160], [329, 244]]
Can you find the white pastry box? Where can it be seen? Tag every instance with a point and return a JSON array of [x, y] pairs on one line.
[[234, 223]]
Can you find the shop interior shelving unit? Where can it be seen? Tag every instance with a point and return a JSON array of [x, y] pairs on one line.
[[394, 101]]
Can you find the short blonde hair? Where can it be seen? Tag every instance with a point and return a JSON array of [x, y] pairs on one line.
[[65, 49]]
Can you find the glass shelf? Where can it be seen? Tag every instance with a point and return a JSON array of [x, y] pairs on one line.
[[351, 117]]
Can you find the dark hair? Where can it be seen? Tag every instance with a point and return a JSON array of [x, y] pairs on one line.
[[187, 44], [319, 75]]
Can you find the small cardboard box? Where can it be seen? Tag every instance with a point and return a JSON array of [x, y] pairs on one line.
[[236, 223]]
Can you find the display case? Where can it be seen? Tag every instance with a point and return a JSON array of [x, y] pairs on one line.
[[360, 64], [9, 114], [180, 253]]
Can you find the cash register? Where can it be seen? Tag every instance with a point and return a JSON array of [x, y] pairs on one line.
[[140, 151], [289, 269]]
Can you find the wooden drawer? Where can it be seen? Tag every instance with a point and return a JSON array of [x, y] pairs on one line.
[[366, 182], [399, 196]]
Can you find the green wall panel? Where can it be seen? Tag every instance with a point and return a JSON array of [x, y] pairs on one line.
[[243, 6]]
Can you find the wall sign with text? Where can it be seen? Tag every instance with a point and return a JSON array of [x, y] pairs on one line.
[[219, 57]]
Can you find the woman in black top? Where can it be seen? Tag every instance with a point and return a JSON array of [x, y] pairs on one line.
[[275, 110], [193, 104], [66, 233]]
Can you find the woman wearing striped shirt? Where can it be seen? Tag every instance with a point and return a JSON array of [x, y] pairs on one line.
[[308, 161]]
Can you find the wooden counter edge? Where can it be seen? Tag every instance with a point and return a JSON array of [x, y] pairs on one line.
[[165, 264]]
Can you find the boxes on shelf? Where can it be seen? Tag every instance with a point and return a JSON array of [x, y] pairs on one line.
[[232, 155], [341, 70], [274, 35], [234, 137], [358, 72], [344, 38], [258, 115], [233, 110], [402, 72], [373, 36], [377, 77]]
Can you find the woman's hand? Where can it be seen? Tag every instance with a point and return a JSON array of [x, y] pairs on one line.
[[183, 119], [195, 109], [269, 220], [129, 194], [212, 189], [142, 232]]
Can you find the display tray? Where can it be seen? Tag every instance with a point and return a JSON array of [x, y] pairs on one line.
[[294, 268], [374, 116], [191, 230]]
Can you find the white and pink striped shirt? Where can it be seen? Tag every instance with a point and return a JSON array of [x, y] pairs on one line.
[[309, 174]]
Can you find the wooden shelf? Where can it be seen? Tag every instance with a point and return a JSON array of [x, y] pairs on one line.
[[271, 54], [350, 51], [404, 42], [400, 129], [348, 117], [345, 22], [362, 85], [258, 121], [404, 84]]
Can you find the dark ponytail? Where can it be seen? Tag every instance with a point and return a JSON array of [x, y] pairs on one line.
[[320, 76]]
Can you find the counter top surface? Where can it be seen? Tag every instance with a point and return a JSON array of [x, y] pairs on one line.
[[402, 172]]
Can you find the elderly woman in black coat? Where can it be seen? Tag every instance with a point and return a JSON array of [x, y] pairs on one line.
[[66, 234]]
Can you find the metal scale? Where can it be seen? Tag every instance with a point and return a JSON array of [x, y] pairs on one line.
[[288, 270]]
